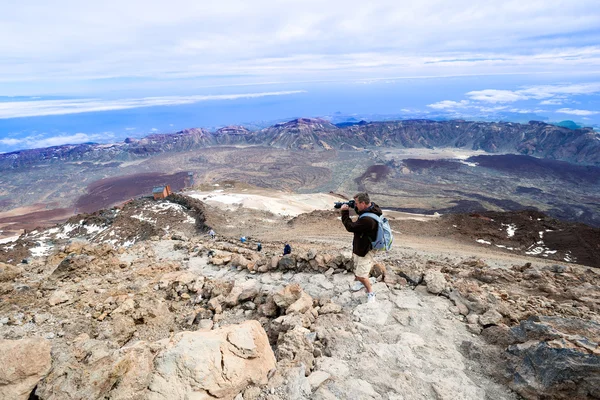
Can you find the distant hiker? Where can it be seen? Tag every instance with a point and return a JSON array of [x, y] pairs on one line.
[[243, 239], [365, 230], [287, 249], [212, 234], [259, 247]]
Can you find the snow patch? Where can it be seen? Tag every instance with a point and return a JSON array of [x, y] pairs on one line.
[[167, 206], [93, 229], [42, 250], [8, 239], [129, 243], [142, 218], [483, 241], [510, 229], [535, 251]]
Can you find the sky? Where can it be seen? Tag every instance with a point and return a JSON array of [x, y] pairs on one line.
[[74, 72]]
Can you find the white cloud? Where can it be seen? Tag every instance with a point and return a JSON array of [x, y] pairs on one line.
[[495, 96], [448, 104], [60, 140], [554, 93], [577, 112], [11, 141], [45, 44], [551, 102], [16, 109], [39, 141]]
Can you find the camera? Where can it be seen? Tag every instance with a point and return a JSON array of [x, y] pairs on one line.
[[339, 204]]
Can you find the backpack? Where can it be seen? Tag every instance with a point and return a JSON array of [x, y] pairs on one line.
[[384, 239]]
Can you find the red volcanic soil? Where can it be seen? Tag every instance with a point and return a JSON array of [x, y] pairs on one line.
[[110, 191], [13, 224]]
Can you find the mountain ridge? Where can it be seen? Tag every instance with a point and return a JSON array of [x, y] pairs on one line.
[[538, 139]]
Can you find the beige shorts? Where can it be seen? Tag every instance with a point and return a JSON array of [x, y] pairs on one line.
[[362, 265]]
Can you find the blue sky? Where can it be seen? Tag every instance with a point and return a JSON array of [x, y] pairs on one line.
[[75, 72]]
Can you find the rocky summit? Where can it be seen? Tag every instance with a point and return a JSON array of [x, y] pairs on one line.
[[140, 302]]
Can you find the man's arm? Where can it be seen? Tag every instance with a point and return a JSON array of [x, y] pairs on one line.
[[361, 224]]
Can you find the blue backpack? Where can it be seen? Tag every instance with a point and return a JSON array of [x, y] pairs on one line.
[[384, 239]]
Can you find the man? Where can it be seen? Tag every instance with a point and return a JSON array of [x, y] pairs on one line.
[[365, 230]]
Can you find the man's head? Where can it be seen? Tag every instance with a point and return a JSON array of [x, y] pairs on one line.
[[362, 201]]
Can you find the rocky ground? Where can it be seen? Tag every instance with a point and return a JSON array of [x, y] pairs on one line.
[[139, 303]]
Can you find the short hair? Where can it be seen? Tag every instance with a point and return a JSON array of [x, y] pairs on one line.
[[362, 197]]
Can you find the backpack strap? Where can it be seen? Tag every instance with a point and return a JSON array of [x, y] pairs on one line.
[[370, 215]]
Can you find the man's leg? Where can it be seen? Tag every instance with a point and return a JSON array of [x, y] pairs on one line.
[[362, 268], [366, 282]]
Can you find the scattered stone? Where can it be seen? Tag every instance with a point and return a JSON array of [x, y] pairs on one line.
[[436, 282], [491, 317], [58, 297], [9, 272], [317, 378], [330, 308]]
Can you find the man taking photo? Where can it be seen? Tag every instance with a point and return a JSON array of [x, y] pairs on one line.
[[365, 231]]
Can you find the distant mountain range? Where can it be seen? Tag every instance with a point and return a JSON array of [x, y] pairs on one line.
[[537, 139]]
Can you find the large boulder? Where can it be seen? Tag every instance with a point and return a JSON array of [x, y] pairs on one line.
[[287, 262], [216, 364], [24, 363], [87, 369], [555, 358]]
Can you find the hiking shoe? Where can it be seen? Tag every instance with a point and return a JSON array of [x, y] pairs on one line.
[[371, 297], [358, 284]]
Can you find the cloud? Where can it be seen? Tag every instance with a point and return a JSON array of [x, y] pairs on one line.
[[577, 112], [42, 140], [60, 140], [46, 45], [16, 109], [551, 102], [495, 96], [11, 141], [448, 104], [552, 92]]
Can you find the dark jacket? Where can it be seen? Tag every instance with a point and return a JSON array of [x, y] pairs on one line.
[[364, 229]]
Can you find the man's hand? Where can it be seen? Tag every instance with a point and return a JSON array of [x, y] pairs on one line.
[[344, 207]]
